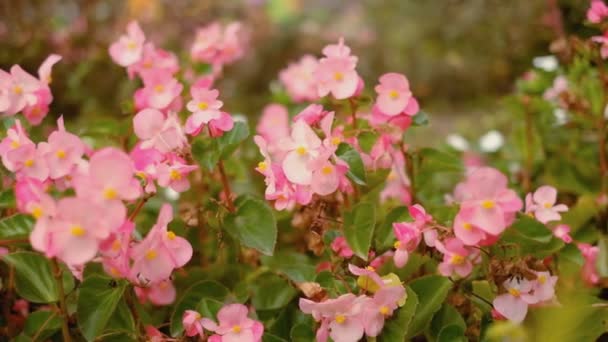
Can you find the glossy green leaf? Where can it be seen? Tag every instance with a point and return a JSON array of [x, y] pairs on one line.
[[269, 292], [297, 267], [41, 325], [302, 333], [209, 307], [98, 298], [367, 140], [253, 224], [396, 328], [384, 237], [432, 291], [359, 226], [7, 198], [452, 333], [205, 152], [447, 316], [229, 142], [356, 171], [16, 226], [34, 277], [191, 298]]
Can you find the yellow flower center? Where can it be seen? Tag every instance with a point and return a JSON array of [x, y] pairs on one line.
[[175, 175], [542, 279], [327, 169], [116, 245], [203, 105], [301, 150], [547, 205], [393, 94], [467, 226], [159, 88], [37, 212], [151, 254], [457, 259], [18, 90], [262, 166], [336, 141], [131, 45], [340, 319], [488, 204], [60, 154], [29, 163], [148, 64], [110, 194], [384, 310], [77, 230], [338, 76], [397, 244], [236, 329], [140, 174], [514, 292], [114, 271], [15, 144], [170, 235], [370, 268]]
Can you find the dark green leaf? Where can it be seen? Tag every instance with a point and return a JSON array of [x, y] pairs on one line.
[[253, 223], [367, 140], [384, 234], [432, 160], [228, 142], [42, 325], [271, 292], [356, 171], [296, 266], [445, 317], [530, 229], [359, 228], [432, 291], [7, 198], [397, 327], [602, 257], [205, 152], [34, 277], [16, 226], [209, 307], [98, 298], [302, 333], [452, 333], [192, 296]]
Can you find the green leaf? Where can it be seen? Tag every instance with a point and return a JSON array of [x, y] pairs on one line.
[[397, 327], [367, 140], [269, 292], [295, 266], [229, 142], [420, 119], [272, 338], [530, 229], [602, 257], [384, 237], [482, 289], [205, 152], [34, 277], [121, 322], [432, 160], [253, 223], [359, 228], [528, 236], [16, 226], [191, 298], [7, 198], [447, 316], [356, 171], [42, 325], [98, 298], [209, 307], [452, 333], [302, 333], [432, 291]]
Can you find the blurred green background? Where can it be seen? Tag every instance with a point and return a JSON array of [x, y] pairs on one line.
[[460, 55]]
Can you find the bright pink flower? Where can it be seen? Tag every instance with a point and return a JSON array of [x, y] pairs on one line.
[[325, 175], [205, 108], [154, 60], [341, 247], [341, 317], [312, 114], [395, 96], [456, 258], [161, 251], [175, 175], [28, 191], [62, 152], [542, 204], [336, 72], [160, 90], [128, 49], [302, 147], [381, 307], [597, 12], [589, 271], [161, 293], [192, 323], [513, 304], [464, 230], [299, 81], [155, 130], [218, 123], [562, 232], [408, 238], [234, 325]]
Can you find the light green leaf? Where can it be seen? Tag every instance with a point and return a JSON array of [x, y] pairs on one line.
[[356, 171], [432, 291], [16, 226]]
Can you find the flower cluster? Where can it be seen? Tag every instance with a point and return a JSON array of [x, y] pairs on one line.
[[233, 325]]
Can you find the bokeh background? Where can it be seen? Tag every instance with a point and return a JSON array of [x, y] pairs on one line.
[[461, 56]]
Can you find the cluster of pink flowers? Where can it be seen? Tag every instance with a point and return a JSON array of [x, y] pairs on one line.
[[21, 92], [349, 317], [521, 293], [596, 14], [217, 45], [233, 325]]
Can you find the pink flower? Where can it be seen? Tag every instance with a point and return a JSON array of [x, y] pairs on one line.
[[17, 90], [62, 152], [128, 49], [205, 110], [336, 72], [15, 138], [28, 161], [298, 78], [274, 125], [160, 90], [589, 271], [341, 318], [513, 304], [156, 131], [234, 325], [456, 258], [408, 238], [325, 175], [464, 230], [604, 41], [312, 114], [341, 247], [394, 95], [597, 12], [562, 232], [161, 251], [161, 293], [192, 323], [543, 288], [542, 204], [154, 60], [175, 175], [218, 46], [560, 84], [381, 307], [368, 279], [302, 147]]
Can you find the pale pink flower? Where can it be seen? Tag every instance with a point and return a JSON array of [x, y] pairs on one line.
[[464, 230], [274, 125], [302, 147], [456, 258], [160, 293], [380, 308], [395, 96], [28, 161], [560, 84], [161, 251], [44, 71], [336, 72], [299, 81], [234, 325], [542, 204], [28, 191], [368, 277], [513, 304], [160, 90], [62, 152], [603, 40], [128, 49], [589, 272], [175, 175], [312, 114], [191, 321], [341, 318], [408, 237], [16, 137], [17, 90], [341, 247], [562, 232], [543, 288], [157, 131], [205, 107], [597, 12], [154, 60], [217, 45]]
